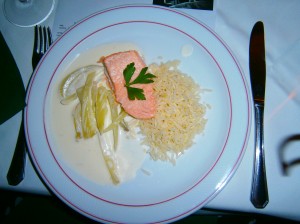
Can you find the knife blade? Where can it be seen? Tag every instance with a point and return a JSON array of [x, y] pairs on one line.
[[257, 66]]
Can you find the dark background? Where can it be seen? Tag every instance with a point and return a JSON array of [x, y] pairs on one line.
[[35, 209]]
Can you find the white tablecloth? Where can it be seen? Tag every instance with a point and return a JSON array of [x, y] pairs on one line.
[[233, 21]]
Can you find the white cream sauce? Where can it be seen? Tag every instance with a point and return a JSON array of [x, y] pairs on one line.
[[187, 50], [84, 156]]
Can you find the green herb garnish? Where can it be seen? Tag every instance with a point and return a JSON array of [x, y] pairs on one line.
[[143, 78]]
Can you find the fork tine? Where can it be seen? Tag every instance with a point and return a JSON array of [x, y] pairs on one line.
[[45, 42], [40, 40], [49, 35], [35, 44]]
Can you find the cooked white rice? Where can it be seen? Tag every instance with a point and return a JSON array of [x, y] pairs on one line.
[[179, 116]]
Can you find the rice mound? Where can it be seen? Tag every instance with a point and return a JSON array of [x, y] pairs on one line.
[[179, 116]]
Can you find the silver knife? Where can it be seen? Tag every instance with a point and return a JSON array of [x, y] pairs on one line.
[[257, 65]]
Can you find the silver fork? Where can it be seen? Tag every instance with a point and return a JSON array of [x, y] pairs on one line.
[[16, 172], [42, 41]]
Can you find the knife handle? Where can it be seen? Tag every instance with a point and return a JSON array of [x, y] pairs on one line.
[[259, 192]]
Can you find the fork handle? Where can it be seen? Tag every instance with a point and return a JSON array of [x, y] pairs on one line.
[[259, 192], [16, 170]]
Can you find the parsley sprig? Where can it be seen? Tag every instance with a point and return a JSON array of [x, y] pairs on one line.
[[142, 78]]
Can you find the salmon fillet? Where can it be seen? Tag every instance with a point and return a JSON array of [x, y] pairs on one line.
[[115, 65]]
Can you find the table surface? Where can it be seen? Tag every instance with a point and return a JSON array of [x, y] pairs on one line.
[[282, 124]]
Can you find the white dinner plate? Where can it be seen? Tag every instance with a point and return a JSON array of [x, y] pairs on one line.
[[167, 193]]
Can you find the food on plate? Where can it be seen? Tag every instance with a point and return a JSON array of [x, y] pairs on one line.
[[163, 102], [96, 105], [179, 116], [115, 65], [76, 79]]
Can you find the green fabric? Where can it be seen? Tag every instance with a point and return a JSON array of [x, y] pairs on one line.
[[12, 91]]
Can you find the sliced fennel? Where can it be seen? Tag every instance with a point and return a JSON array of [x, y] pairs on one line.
[[110, 159], [77, 121], [75, 80], [88, 120], [101, 109], [114, 117], [97, 112]]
